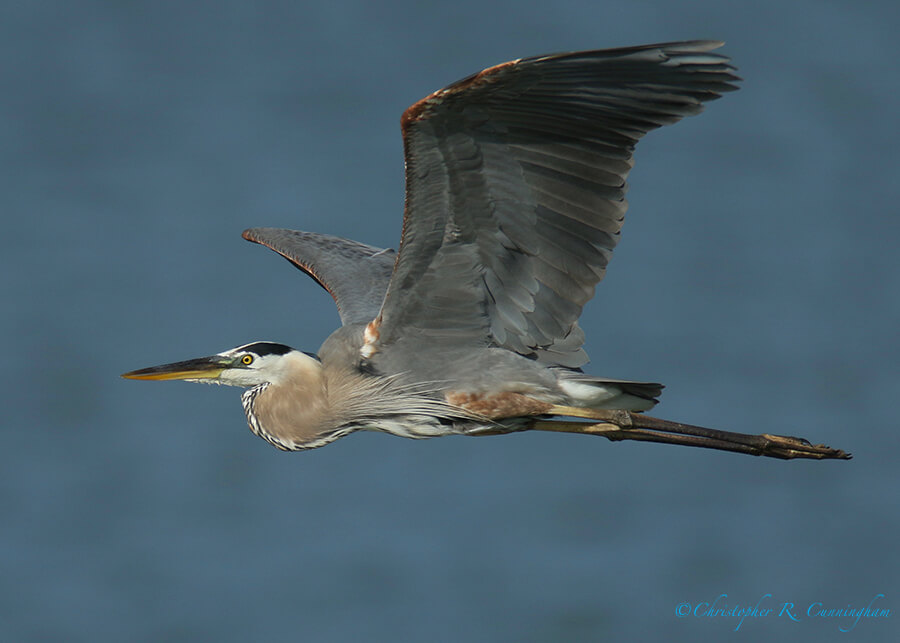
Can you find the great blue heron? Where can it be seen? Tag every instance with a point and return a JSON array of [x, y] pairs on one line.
[[515, 195]]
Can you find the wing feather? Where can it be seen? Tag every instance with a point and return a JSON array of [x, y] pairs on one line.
[[355, 274], [516, 181]]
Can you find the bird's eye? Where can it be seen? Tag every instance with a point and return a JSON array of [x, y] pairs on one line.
[[247, 360]]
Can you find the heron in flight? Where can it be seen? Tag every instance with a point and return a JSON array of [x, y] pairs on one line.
[[515, 197]]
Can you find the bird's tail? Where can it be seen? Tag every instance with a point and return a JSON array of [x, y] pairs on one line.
[[586, 391]]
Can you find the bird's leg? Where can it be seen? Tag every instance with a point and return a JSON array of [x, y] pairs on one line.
[[624, 425]]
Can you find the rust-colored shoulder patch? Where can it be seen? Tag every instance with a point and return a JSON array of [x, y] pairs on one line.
[[423, 108], [498, 405]]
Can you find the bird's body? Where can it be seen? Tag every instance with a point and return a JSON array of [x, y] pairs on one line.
[[515, 197], [303, 401]]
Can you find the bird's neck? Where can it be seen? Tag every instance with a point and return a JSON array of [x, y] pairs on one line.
[[292, 411]]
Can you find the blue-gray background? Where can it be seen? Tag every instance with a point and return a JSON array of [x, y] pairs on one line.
[[757, 277]]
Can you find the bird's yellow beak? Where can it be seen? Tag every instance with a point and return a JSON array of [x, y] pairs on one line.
[[203, 368]]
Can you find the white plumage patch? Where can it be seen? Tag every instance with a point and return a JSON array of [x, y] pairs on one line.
[[588, 395], [267, 368], [597, 395]]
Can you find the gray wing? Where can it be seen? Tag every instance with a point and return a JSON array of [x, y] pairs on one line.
[[515, 193], [355, 274]]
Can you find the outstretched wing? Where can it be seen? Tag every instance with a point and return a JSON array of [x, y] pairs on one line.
[[515, 193], [356, 275]]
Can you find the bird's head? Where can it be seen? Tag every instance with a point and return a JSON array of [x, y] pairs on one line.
[[248, 365]]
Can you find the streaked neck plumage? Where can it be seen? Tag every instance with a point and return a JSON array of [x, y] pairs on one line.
[[292, 408]]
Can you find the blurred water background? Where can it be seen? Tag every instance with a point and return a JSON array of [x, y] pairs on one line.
[[757, 277]]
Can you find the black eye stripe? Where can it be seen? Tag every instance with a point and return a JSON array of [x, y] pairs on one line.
[[266, 348], [261, 349]]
